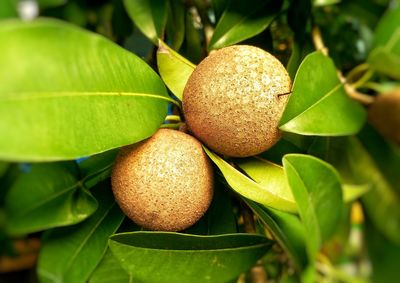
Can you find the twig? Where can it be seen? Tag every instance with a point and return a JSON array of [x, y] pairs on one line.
[[351, 91]]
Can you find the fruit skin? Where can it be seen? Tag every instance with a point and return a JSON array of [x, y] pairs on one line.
[[165, 182], [384, 115], [234, 99]]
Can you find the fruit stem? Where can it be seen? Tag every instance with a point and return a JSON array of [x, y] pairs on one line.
[[351, 90], [175, 126], [173, 118]]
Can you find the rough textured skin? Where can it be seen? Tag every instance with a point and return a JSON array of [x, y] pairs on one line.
[[164, 183], [234, 99], [384, 115]]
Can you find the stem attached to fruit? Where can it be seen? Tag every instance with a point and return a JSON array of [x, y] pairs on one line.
[[349, 88]]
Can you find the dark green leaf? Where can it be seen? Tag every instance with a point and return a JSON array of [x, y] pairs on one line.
[[149, 16], [97, 168], [72, 97], [241, 21], [50, 3], [48, 196], [3, 168], [175, 28], [317, 92], [70, 254], [174, 69], [317, 189], [192, 47], [174, 257], [109, 270], [219, 218], [384, 256], [219, 7], [265, 194], [286, 229]]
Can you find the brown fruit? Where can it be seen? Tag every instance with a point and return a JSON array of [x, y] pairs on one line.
[[234, 99], [164, 183], [384, 115]]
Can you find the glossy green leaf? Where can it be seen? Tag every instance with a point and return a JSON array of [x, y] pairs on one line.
[[385, 57], [175, 27], [47, 196], [70, 254], [243, 185], [319, 104], [174, 69], [358, 166], [72, 97], [317, 189], [268, 175], [97, 168], [241, 21], [286, 229], [109, 270], [150, 16], [174, 257]]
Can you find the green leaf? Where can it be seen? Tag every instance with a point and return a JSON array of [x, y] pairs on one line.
[[357, 165], [286, 229], [385, 57], [219, 218], [268, 175], [174, 69], [319, 104], [72, 97], [241, 21], [384, 256], [385, 62], [97, 168], [70, 254], [109, 270], [174, 257], [8, 9], [243, 185], [317, 189], [352, 192], [219, 7], [175, 27], [150, 16], [50, 3], [48, 196], [388, 28], [3, 168]]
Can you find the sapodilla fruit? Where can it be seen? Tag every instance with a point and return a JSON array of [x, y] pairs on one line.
[[384, 115], [234, 99], [165, 182]]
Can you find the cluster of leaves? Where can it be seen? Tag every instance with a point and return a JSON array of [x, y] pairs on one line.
[[68, 93]]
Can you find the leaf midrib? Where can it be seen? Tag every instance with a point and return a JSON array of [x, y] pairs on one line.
[[47, 200], [89, 234], [327, 95], [223, 38], [55, 94], [314, 215]]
